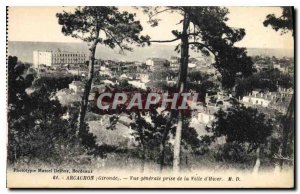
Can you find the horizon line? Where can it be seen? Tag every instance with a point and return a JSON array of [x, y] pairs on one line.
[[164, 44]]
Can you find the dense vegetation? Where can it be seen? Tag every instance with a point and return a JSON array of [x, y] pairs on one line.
[[37, 129]]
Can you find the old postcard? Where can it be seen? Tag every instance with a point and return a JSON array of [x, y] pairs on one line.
[[150, 97]]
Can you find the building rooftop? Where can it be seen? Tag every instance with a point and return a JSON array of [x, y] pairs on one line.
[[59, 51], [158, 59]]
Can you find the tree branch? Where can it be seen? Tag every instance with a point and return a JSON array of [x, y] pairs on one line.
[[112, 37], [173, 40], [162, 41], [158, 12], [193, 34], [205, 46]]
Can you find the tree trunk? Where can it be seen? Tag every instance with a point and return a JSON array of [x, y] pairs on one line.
[[288, 127], [87, 88], [277, 167], [187, 162], [163, 145], [163, 142], [181, 87], [162, 156], [141, 134], [257, 163]]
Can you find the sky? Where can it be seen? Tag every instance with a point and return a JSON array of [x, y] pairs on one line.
[[40, 24]]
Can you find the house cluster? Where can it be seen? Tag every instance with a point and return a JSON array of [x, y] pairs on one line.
[[157, 63], [137, 73], [266, 99], [266, 102], [77, 88], [76, 63], [263, 63], [285, 64], [284, 67], [278, 100], [195, 64], [212, 104]]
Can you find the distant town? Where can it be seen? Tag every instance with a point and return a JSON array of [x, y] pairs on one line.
[[153, 71]]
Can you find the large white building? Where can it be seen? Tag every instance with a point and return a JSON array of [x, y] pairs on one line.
[[57, 58], [257, 98], [278, 100]]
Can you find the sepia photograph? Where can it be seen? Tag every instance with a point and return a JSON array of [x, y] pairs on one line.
[[150, 97]]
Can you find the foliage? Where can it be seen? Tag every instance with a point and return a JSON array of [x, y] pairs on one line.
[[16, 82], [209, 34], [163, 74], [267, 80], [205, 86], [118, 28], [190, 139], [195, 76], [153, 128], [37, 129], [103, 25], [218, 39], [232, 152], [244, 129], [53, 84], [206, 31], [283, 23]]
